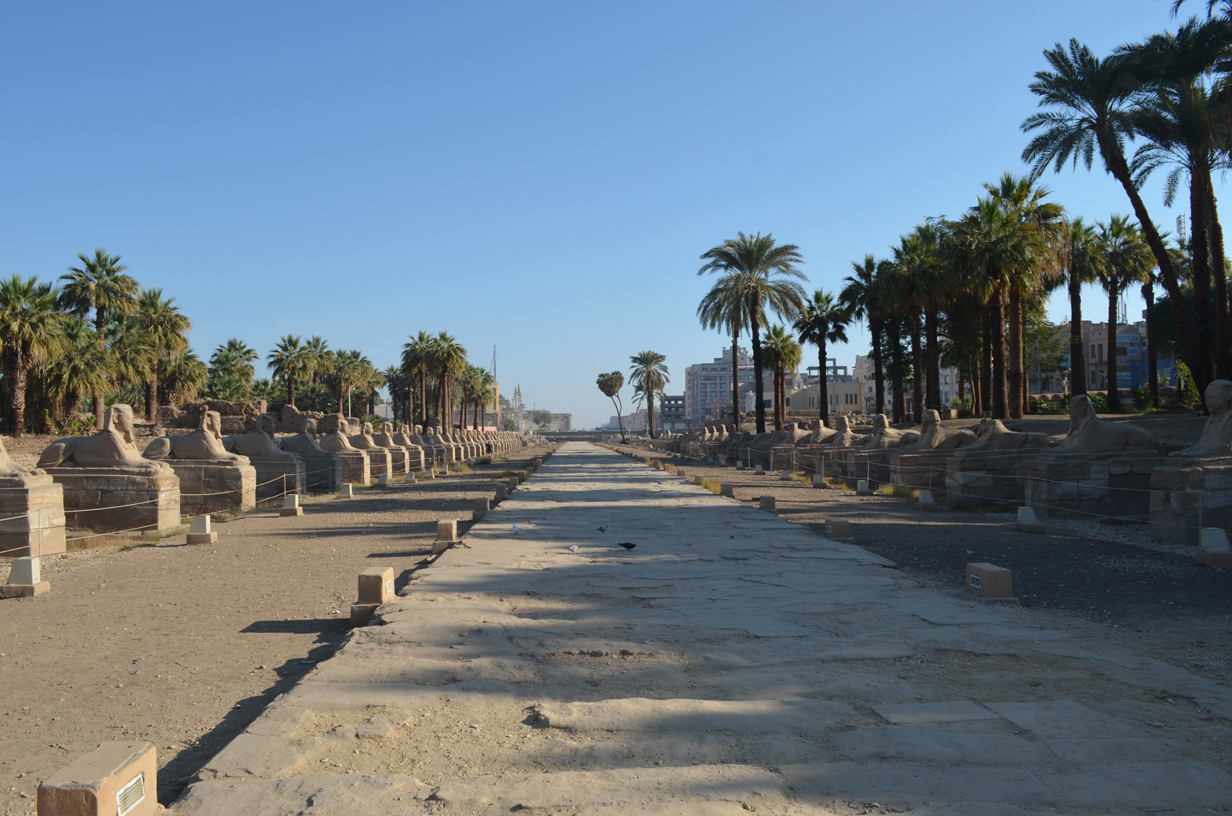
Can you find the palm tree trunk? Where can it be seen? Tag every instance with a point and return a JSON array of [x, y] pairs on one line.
[[736, 378], [16, 376], [1223, 331], [757, 369], [423, 395], [996, 324], [878, 374], [151, 393], [1152, 359], [1015, 362], [1077, 354], [932, 357], [1114, 394], [823, 387], [962, 386], [986, 365], [650, 411], [1200, 248], [291, 393], [917, 371]]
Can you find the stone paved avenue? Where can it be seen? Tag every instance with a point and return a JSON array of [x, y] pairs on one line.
[[731, 663]]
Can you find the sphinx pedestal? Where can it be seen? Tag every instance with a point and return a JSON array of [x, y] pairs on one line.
[[214, 487], [1088, 486], [32, 509], [380, 463], [111, 500], [998, 476], [826, 460], [415, 459], [1187, 494], [921, 470], [873, 465], [322, 472], [786, 457], [355, 467], [399, 462], [278, 475]]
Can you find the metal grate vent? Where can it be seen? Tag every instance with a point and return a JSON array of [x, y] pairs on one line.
[[975, 581], [130, 795]]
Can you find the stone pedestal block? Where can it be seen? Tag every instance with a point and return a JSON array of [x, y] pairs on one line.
[[1188, 494], [399, 462], [1083, 486], [355, 468], [998, 476], [277, 475], [380, 463], [991, 583], [376, 585], [416, 460], [214, 487], [920, 470], [110, 500], [870, 465], [114, 778], [33, 517], [322, 472]]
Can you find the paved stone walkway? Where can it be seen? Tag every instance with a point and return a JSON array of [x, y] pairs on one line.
[[730, 663]]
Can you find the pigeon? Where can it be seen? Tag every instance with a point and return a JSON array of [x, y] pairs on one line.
[[516, 529], [602, 528], [573, 548], [627, 545]]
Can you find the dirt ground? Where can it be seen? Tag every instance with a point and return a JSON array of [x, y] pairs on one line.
[[184, 646], [1095, 580]]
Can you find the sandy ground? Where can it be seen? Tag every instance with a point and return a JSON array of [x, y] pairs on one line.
[[184, 646]]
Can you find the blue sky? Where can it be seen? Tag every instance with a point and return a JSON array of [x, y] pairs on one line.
[[541, 177]]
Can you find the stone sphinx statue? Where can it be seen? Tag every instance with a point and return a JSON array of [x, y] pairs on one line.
[[305, 441], [13, 473], [991, 434], [796, 434], [1088, 434], [936, 436], [258, 442], [337, 442], [401, 437], [112, 447], [364, 439], [821, 433], [843, 436], [885, 437], [1216, 439], [386, 437], [203, 443]]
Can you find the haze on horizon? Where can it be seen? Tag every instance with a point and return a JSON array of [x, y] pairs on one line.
[[540, 178]]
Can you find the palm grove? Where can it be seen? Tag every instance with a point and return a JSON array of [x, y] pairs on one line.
[[97, 336], [970, 292]]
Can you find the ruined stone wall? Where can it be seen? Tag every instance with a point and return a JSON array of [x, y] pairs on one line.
[[237, 417], [291, 421]]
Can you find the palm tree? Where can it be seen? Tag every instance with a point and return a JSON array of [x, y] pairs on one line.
[[785, 355], [449, 359], [395, 380], [347, 372], [1089, 111], [130, 349], [1085, 263], [30, 332], [320, 356], [1127, 259], [79, 368], [416, 360], [99, 283], [912, 268], [242, 355], [483, 396], [610, 384], [723, 308], [859, 300], [183, 375], [650, 374], [823, 321], [166, 329], [290, 361], [766, 273]]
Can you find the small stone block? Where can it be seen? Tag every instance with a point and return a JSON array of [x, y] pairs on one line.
[[1213, 549], [500, 493], [727, 489], [819, 481], [862, 488], [346, 491], [382, 480], [681, 473], [429, 474], [290, 501], [27, 570], [838, 529], [361, 614], [376, 585], [447, 530], [483, 505], [740, 466], [115, 779], [477, 515], [513, 484], [291, 511], [927, 501], [784, 475], [202, 538], [767, 504], [200, 525], [24, 590], [990, 582], [759, 471], [1028, 522]]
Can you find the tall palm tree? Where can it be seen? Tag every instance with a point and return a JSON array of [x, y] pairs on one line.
[[79, 368], [449, 360], [166, 329], [1089, 110], [1127, 259], [1085, 263], [243, 356], [723, 308], [912, 268], [785, 355], [650, 374], [768, 276], [416, 361], [99, 283], [395, 380], [823, 321], [859, 300], [183, 375], [290, 361], [320, 356], [30, 332]]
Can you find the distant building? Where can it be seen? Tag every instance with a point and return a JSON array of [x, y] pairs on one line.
[[672, 415], [708, 386]]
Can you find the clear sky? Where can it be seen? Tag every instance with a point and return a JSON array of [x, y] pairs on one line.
[[539, 177]]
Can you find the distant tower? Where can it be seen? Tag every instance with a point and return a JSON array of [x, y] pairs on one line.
[[517, 406]]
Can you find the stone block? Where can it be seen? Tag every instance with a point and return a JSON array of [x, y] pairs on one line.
[[382, 480], [1213, 550], [839, 530], [322, 472], [862, 488], [356, 467], [1027, 521], [446, 535], [681, 473], [115, 779], [759, 471], [376, 585], [201, 531], [768, 504], [279, 475], [784, 475], [33, 522], [927, 502], [513, 483], [361, 614], [215, 487], [500, 493], [482, 506], [290, 506], [819, 481], [25, 579], [727, 489], [990, 582], [107, 500], [346, 491]]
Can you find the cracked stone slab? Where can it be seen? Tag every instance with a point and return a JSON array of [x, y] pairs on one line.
[[899, 783], [928, 713], [1062, 719], [927, 745], [639, 714]]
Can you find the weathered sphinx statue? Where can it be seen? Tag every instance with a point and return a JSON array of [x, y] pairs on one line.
[[884, 437], [112, 447], [204, 443], [1216, 439], [843, 436], [364, 440], [991, 434], [305, 441], [257, 442], [13, 474], [935, 436], [821, 434], [338, 441], [1088, 434]]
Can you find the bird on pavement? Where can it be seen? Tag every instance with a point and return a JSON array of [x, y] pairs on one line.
[[602, 528], [627, 545]]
